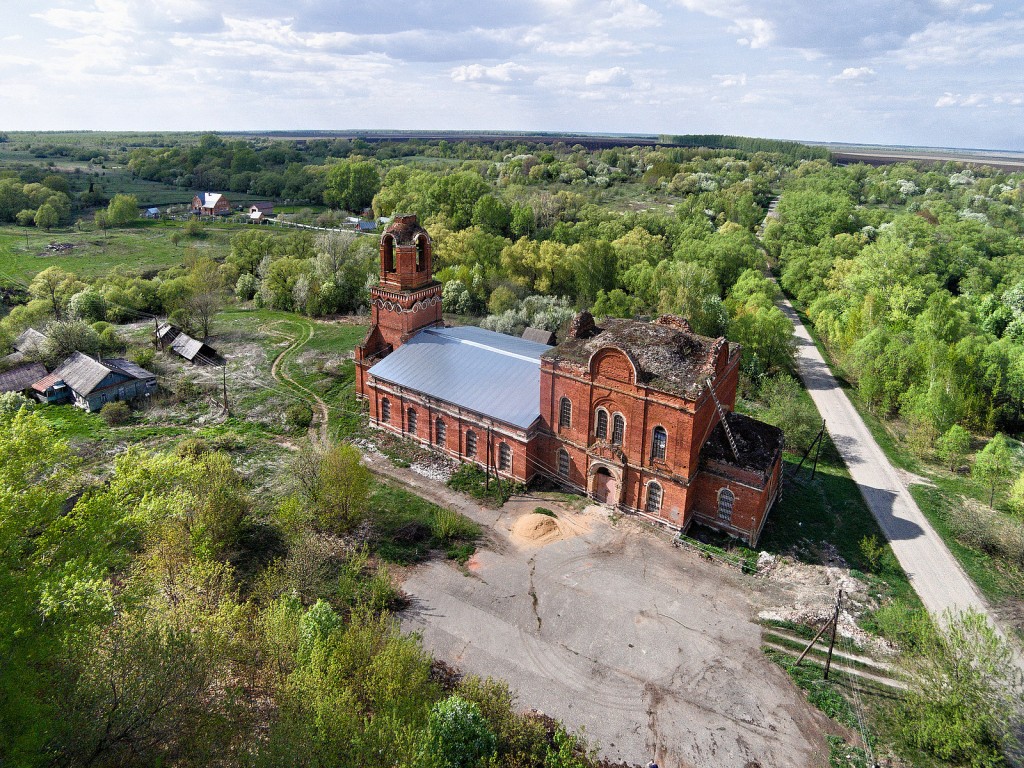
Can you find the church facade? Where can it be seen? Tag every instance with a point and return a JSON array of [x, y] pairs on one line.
[[636, 415]]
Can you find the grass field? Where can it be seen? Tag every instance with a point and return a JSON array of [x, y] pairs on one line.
[[142, 248]]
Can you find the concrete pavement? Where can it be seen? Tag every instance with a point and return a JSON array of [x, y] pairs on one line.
[[933, 571]]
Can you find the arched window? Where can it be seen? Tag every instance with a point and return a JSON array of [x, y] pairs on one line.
[[440, 431], [385, 410], [725, 500], [601, 427], [564, 412], [410, 420], [618, 429], [389, 253], [421, 253], [659, 443], [471, 443], [504, 457], [564, 464], [653, 505]]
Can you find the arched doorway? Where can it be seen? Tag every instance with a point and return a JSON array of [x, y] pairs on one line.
[[606, 490]]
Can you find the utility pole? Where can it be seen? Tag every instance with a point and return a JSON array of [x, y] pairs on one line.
[[817, 451], [224, 370], [835, 624]]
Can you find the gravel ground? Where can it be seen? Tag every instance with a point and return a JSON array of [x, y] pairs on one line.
[[652, 651]]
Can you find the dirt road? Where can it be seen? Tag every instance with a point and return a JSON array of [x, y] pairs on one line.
[[933, 571]]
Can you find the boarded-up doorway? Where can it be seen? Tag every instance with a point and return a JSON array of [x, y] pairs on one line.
[[606, 490]]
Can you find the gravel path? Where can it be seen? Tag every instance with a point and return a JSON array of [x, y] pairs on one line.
[[934, 572]]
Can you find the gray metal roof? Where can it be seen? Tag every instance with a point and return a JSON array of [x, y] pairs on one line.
[[186, 346], [81, 373], [490, 373], [84, 375]]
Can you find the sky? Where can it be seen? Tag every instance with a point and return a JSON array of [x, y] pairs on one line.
[[946, 73]]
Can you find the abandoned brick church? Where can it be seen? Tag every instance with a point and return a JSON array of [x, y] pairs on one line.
[[637, 415]]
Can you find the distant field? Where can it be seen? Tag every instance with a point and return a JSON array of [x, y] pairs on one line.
[[23, 251]]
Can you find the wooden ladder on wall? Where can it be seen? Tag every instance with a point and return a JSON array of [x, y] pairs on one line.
[[725, 423]]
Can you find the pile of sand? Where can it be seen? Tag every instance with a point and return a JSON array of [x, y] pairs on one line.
[[535, 528]]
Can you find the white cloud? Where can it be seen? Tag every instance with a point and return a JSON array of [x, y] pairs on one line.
[[853, 73], [731, 81], [502, 74], [615, 76], [756, 33]]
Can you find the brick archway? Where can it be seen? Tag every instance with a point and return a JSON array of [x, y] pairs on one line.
[[604, 484]]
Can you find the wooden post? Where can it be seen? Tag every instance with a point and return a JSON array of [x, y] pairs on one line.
[[821, 437], [811, 644], [835, 624], [156, 333], [224, 369]]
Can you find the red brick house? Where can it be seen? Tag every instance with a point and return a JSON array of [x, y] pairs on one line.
[[636, 415], [210, 204]]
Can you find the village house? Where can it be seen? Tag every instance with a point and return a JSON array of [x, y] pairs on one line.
[[90, 384], [258, 212], [636, 415], [210, 204]]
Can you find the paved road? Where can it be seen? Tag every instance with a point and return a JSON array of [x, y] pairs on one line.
[[933, 571]]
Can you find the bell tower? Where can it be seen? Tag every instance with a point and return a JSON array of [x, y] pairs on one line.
[[407, 298]]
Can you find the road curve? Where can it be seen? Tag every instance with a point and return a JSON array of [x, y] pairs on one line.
[[933, 571]]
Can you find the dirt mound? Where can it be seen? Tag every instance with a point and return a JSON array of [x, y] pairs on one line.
[[535, 528]]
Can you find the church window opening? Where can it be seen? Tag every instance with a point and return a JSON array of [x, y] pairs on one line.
[[385, 410], [725, 500], [564, 412], [659, 443], [421, 253], [563, 463], [618, 429], [653, 506], [504, 457], [601, 429]]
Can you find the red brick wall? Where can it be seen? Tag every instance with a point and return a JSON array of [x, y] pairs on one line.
[[457, 423]]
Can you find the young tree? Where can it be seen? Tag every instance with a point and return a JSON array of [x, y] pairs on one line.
[[205, 292], [56, 286], [994, 464], [47, 217], [969, 692], [88, 305], [458, 736], [122, 210], [954, 446]]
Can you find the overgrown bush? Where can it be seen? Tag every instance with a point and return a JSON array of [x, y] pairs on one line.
[[449, 525], [116, 414], [298, 416], [989, 530], [12, 402]]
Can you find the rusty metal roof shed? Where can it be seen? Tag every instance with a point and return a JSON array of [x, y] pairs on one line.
[[491, 374]]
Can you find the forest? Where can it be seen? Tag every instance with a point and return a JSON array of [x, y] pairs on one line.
[[171, 609]]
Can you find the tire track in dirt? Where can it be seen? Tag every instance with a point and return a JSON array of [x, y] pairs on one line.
[[279, 372]]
